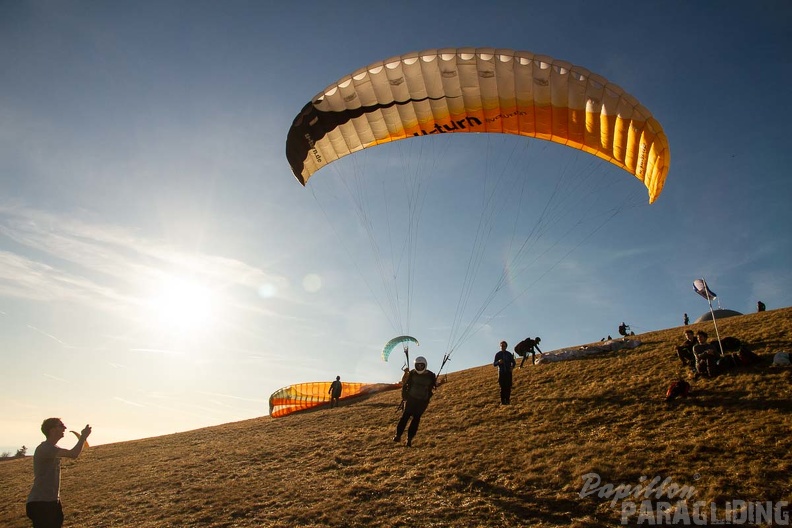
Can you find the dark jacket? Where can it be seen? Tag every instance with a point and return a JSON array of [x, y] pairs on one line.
[[419, 386], [507, 362]]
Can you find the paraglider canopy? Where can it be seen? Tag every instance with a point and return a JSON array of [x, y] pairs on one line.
[[390, 345], [719, 314], [304, 396], [472, 95], [457, 90]]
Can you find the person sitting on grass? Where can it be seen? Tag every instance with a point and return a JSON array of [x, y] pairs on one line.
[[685, 350], [706, 354]]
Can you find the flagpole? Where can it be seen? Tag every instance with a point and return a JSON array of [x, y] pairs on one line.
[[717, 334]]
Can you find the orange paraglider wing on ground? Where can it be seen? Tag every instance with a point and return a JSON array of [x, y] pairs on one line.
[[302, 396]]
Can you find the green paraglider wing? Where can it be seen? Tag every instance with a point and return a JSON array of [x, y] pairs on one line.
[[390, 345]]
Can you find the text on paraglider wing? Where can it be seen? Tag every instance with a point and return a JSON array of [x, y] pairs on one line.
[[311, 144], [462, 124], [642, 160]]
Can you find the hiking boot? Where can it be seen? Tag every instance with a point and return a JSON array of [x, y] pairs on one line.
[[397, 438], [409, 442]]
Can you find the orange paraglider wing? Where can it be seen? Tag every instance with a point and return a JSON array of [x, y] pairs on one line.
[[302, 396], [479, 90]]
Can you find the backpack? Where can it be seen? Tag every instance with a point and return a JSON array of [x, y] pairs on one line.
[[524, 346], [678, 388], [730, 344], [729, 361], [423, 390], [748, 357]]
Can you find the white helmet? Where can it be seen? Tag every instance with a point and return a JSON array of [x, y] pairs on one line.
[[420, 364]]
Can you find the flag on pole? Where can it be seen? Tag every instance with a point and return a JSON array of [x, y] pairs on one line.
[[700, 287]]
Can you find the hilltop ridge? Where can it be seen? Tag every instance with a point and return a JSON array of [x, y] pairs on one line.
[[475, 463]]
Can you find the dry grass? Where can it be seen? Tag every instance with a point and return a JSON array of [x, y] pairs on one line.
[[474, 464]]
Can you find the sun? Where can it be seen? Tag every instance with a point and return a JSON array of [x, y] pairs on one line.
[[182, 304]]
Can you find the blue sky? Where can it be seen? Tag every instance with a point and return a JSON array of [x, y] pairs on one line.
[[162, 270]]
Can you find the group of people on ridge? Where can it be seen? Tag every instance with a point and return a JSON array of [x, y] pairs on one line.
[[418, 385], [708, 358]]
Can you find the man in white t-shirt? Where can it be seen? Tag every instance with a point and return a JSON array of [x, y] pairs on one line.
[[43, 503]]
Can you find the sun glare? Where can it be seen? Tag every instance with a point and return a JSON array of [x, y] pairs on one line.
[[182, 304]]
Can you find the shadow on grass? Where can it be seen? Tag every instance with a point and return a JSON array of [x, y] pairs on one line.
[[521, 504], [735, 399]]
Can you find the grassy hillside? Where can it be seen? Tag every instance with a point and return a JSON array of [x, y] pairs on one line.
[[474, 463]]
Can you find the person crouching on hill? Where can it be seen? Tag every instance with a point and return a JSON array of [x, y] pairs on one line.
[[417, 390], [528, 346]]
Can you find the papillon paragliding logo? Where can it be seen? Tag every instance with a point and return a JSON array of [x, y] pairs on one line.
[[663, 502]]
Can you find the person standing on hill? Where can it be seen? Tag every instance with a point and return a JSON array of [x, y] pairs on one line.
[[43, 505], [760, 306], [417, 390], [335, 392], [686, 319], [504, 361], [528, 346]]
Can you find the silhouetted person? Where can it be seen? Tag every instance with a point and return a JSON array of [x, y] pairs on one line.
[[760, 306], [505, 362], [417, 390], [523, 348], [43, 503], [686, 320], [335, 392]]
